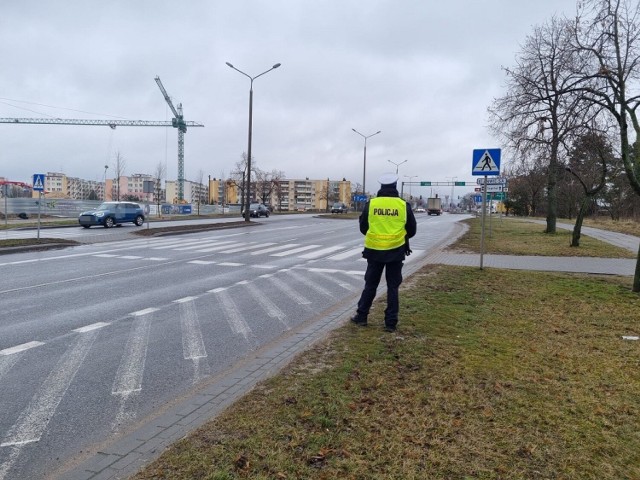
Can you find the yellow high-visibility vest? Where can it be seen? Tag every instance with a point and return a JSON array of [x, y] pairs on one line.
[[387, 219]]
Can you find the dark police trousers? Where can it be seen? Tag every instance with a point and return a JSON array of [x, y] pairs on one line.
[[393, 275]]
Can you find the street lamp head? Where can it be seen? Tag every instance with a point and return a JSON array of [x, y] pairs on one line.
[[229, 65], [277, 65]]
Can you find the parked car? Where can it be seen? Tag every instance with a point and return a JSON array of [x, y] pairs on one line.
[[339, 208], [257, 210], [419, 210], [109, 214]]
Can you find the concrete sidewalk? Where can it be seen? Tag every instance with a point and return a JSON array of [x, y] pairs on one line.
[[603, 266]]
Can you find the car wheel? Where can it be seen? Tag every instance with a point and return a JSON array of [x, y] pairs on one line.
[[108, 222], [86, 226], [139, 220], [266, 214]]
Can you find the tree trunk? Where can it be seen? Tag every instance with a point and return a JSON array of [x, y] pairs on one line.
[[636, 277], [575, 238]]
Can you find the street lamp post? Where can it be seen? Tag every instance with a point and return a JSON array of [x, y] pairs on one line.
[[104, 194], [397, 164], [247, 213], [410, 177], [453, 183], [364, 169]]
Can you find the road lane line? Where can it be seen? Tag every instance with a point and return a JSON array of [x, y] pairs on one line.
[[184, 299], [93, 326], [271, 308], [320, 253], [146, 311], [295, 250], [236, 322], [219, 247], [312, 285], [287, 290], [128, 380], [244, 249], [202, 262], [347, 254], [230, 264], [192, 343], [276, 248], [33, 421], [20, 348], [205, 245]]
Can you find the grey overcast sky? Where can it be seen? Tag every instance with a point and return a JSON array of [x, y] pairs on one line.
[[421, 71]]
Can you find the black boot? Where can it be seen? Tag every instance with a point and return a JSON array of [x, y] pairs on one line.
[[359, 320]]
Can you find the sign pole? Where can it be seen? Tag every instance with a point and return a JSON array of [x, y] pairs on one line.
[[484, 209], [39, 205]]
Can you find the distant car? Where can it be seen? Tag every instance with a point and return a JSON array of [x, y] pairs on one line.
[[339, 208], [257, 210], [109, 214], [419, 210]]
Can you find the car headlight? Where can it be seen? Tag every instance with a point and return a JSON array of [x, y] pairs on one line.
[[99, 214]]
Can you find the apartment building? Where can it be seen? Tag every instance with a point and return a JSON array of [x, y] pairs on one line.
[[192, 192]]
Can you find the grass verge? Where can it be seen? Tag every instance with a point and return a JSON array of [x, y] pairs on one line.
[[512, 236]]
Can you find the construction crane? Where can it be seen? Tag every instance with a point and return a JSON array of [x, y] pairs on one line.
[[179, 123]]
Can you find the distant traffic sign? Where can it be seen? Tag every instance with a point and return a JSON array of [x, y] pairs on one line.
[[38, 182], [425, 184], [459, 184], [493, 181], [486, 161]]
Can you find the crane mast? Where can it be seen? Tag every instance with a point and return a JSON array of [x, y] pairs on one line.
[[179, 123]]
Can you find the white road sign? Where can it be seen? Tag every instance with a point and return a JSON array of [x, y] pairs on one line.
[[492, 181]]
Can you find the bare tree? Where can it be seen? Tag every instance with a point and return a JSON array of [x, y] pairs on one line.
[[607, 33], [541, 111], [159, 174], [119, 166], [588, 162]]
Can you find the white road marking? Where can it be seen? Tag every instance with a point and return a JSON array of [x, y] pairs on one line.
[[217, 290], [276, 248], [219, 247], [185, 299], [128, 380], [192, 343], [243, 249], [6, 362], [236, 322], [312, 285], [287, 290], [202, 262], [131, 257], [295, 250], [347, 254], [20, 348], [33, 421], [230, 264], [146, 311], [205, 245], [105, 255], [93, 326], [320, 253], [271, 308], [156, 259]]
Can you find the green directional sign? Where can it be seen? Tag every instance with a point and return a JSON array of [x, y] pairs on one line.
[[425, 184], [459, 184]]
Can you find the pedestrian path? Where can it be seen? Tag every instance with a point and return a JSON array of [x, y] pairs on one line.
[[603, 266]]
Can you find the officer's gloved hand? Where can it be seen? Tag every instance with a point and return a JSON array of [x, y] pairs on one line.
[[407, 249]]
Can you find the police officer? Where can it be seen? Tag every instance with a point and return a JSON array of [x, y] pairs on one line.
[[387, 222]]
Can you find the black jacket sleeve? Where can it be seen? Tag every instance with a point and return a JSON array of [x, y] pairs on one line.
[[364, 219], [411, 226]]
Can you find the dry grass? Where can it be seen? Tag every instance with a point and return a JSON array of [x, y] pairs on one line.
[[512, 236]]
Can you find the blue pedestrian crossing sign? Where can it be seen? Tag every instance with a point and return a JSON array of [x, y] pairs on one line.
[[38, 182], [486, 161]]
